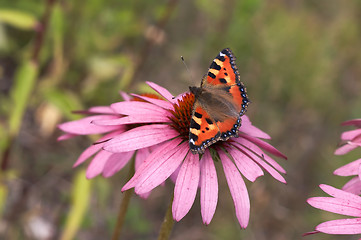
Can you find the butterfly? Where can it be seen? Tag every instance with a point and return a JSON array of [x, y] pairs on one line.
[[219, 103]]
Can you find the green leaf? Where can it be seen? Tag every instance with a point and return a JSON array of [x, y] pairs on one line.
[[79, 204], [18, 19], [23, 86]]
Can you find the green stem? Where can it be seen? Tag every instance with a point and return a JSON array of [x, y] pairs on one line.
[[123, 206], [167, 225]]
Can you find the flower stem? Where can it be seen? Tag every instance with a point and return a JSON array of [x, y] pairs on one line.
[[123, 206], [167, 225]]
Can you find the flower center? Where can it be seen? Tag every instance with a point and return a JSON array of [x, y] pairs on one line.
[[181, 115]]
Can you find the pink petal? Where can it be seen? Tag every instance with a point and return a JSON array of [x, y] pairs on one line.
[[137, 108], [238, 191], [246, 166], [94, 148], [66, 136], [125, 96], [248, 128], [162, 91], [355, 122], [263, 164], [97, 164], [337, 193], [258, 151], [101, 110], [341, 226], [349, 169], [349, 135], [344, 149], [141, 137], [186, 186], [158, 102], [141, 155], [209, 188], [134, 119], [173, 177], [84, 126], [169, 147], [158, 167], [266, 146], [336, 205], [116, 162], [353, 186], [90, 151]]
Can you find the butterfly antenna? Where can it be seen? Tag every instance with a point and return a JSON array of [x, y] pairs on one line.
[[189, 72]]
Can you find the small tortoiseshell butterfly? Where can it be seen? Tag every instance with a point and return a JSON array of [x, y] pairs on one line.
[[219, 103]]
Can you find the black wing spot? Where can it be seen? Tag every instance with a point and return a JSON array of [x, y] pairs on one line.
[[209, 121], [198, 115], [207, 128], [225, 74], [211, 75], [214, 65], [195, 125], [222, 80]]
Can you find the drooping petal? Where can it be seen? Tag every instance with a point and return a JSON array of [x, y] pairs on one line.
[[337, 193], [101, 110], [238, 190], [169, 147], [162, 91], [245, 164], [349, 135], [140, 157], [258, 151], [136, 108], [85, 126], [341, 226], [353, 122], [266, 146], [140, 137], [158, 102], [66, 136], [90, 151], [97, 164], [247, 128], [344, 149], [349, 169], [353, 186], [209, 187], [158, 167], [125, 96], [116, 162], [134, 119], [186, 186], [263, 164], [336, 205]]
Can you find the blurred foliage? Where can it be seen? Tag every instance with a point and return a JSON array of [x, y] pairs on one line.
[[300, 62]]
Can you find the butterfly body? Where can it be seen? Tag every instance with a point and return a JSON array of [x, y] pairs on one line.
[[219, 103]]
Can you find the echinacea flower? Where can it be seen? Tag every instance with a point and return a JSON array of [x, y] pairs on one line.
[[352, 141], [340, 202], [162, 127]]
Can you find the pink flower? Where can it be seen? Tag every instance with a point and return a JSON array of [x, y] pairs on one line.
[[161, 127], [352, 141], [340, 202]]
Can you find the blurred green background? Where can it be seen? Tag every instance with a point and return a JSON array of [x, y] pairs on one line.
[[300, 61]]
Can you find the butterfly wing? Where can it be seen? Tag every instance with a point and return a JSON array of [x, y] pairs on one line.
[[223, 100], [203, 130]]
